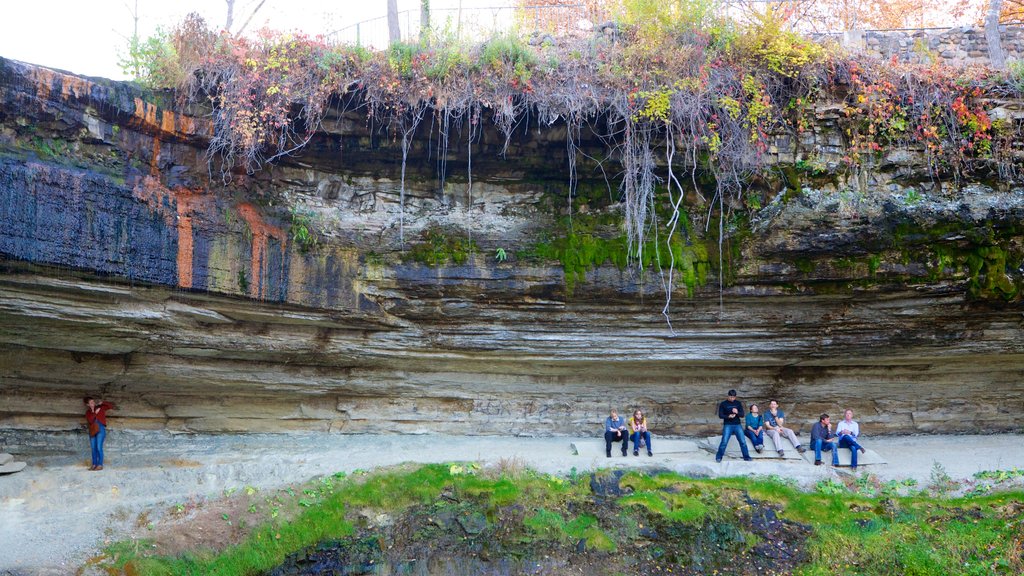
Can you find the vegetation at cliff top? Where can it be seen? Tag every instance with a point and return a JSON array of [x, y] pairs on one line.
[[679, 94], [611, 522]]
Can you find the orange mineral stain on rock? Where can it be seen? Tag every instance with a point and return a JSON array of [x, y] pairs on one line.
[[153, 119], [74, 87], [154, 162], [146, 116], [261, 234], [184, 250], [178, 207], [48, 81]]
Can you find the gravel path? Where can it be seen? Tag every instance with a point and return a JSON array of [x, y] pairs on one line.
[[56, 514]]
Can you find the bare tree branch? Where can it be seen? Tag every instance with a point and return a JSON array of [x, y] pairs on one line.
[[249, 19]]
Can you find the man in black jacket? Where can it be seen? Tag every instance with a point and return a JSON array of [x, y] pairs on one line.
[[730, 411]]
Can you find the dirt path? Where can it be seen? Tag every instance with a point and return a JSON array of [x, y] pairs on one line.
[[56, 514]]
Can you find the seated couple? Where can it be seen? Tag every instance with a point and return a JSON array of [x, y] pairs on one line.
[[847, 432], [617, 429], [772, 422]]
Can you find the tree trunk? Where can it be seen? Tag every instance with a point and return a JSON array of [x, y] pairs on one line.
[[424, 22], [394, 32], [995, 47], [231, 15]]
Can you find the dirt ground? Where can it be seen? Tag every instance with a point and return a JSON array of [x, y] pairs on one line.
[[56, 514]]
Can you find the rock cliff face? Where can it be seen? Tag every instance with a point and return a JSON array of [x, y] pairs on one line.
[[313, 296]]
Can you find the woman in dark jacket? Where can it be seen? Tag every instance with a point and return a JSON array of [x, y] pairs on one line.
[[96, 417]]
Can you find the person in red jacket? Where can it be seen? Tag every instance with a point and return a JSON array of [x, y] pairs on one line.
[[96, 416]]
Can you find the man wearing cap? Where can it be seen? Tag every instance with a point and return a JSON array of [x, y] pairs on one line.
[[730, 411]]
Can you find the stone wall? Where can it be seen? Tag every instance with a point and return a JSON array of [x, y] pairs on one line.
[[960, 46]]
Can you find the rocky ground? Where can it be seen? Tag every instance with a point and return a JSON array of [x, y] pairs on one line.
[[153, 478]]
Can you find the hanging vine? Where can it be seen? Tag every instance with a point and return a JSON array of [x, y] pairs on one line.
[[677, 93]]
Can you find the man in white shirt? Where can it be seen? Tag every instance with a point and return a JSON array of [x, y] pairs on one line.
[[848, 430]]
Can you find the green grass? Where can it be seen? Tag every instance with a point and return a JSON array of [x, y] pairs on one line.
[[850, 533]]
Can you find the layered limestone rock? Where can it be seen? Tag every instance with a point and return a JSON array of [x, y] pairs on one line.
[[133, 269]]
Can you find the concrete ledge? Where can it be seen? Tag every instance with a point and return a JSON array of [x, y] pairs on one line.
[[770, 451]]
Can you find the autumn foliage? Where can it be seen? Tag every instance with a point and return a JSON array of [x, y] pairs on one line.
[[679, 87]]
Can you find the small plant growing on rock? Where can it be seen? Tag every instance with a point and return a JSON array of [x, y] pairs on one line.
[[940, 482], [301, 231]]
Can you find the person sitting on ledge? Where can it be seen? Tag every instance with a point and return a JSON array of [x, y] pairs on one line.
[[823, 439], [615, 431], [848, 430], [754, 428], [638, 425], [730, 411], [774, 423]]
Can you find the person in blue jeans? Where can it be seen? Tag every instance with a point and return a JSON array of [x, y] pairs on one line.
[[754, 428], [823, 440], [730, 411], [615, 431], [96, 418], [638, 427], [848, 431]]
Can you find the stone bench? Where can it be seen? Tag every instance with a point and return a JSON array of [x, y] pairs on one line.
[[9, 466]]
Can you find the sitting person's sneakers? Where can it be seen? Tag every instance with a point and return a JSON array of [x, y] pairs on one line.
[[636, 452], [862, 450], [758, 449], [817, 462], [782, 453], [801, 449], [649, 453], [747, 458]]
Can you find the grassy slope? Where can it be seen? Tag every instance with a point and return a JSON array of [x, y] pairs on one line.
[[664, 523]]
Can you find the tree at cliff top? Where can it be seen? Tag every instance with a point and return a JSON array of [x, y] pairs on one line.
[[394, 32], [229, 21]]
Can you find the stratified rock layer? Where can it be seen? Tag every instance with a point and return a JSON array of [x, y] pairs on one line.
[[128, 271]]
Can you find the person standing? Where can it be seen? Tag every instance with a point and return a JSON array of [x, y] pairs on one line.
[[730, 411], [615, 431], [638, 425], [823, 439], [848, 430], [96, 418], [754, 428], [774, 424]]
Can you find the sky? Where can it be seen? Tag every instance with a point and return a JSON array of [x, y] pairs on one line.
[[86, 36]]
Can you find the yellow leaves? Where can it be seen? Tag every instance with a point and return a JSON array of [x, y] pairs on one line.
[[731, 106], [714, 140], [657, 105], [461, 469]]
